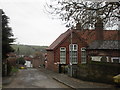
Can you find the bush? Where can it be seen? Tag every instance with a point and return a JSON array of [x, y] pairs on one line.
[[14, 69], [3, 69], [9, 68], [21, 61]]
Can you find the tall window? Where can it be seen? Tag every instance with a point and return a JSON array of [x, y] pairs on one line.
[[115, 59], [62, 55], [83, 55], [73, 48]]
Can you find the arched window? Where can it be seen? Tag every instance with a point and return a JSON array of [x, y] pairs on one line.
[[73, 48], [62, 55], [83, 55]]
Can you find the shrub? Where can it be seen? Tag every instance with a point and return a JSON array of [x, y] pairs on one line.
[[21, 61]]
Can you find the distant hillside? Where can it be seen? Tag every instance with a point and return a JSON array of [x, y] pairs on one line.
[[28, 49]]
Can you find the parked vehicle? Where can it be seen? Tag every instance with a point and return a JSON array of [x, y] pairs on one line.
[[117, 79], [22, 67]]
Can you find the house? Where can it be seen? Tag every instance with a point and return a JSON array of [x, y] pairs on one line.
[[108, 49], [72, 47], [12, 57], [45, 60], [105, 48], [38, 60], [28, 61]]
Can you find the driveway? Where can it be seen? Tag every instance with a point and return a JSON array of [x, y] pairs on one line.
[[33, 78]]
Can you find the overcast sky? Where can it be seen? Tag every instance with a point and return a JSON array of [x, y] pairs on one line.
[[30, 24]]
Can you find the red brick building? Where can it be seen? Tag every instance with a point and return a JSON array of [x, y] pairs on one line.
[[36, 62], [70, 47]]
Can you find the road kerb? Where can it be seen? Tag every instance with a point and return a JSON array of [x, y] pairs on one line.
[[64, 83]]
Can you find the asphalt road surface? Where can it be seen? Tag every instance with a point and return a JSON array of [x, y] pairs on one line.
[[33, 78]]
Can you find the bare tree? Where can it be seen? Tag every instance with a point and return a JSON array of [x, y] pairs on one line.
[[86, 13]]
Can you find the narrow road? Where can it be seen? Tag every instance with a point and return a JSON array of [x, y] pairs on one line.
[[33, 78]]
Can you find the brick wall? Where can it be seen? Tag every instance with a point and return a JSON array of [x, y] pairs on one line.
[[36, 62], [66, 43], [109, 53], [50, 60]]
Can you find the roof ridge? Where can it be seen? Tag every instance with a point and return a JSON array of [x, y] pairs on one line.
[[87, 35]]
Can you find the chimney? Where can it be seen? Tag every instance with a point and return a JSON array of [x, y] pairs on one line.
[[78, 26], [99, 30]]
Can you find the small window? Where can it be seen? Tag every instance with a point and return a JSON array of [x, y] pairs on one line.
[[115, 59], [73, 47], [83, 49], [62, 49]]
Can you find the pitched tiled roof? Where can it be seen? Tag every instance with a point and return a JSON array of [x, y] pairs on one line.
[[106, 44], [87, 35], [90, 35], [59, 40]]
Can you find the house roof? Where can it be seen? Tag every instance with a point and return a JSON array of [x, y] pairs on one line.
[[59, 40], [28, 58], [106, 44], [87, 35], [11, 54], [90, 35]]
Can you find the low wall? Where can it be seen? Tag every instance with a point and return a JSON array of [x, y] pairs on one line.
[[97, 71]]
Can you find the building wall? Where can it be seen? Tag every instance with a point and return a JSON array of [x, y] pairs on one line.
[[66, 43], [50, 60], [36, 62], [108, 53]]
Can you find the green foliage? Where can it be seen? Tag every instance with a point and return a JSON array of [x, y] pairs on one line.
[[21, 61], [9, 68], [6, 42], [6, 36], [14, 69]]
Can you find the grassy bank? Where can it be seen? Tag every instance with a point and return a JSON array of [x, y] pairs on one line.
[[14, 70]]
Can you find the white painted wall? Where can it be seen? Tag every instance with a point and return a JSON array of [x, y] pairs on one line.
[[97, 58], [28, 64]]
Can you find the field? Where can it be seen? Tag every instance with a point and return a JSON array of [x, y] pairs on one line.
[[28, 49]]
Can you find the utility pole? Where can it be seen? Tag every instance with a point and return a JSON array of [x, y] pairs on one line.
[[71, 54], [18, 51], [119, 33]]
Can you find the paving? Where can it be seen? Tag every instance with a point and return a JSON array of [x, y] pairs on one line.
[[38, 81], [75, 83], [32, 78], [7, 80]]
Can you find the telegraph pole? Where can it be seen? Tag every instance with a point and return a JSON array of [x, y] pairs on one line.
[[18, 51], [119, 33], [71, 55]]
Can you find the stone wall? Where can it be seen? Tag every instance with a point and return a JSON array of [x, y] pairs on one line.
[[97, 71]]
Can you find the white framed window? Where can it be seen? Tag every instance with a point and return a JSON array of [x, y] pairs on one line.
[[83, 55], [115, 59], [73, 49], [62, 55], [83, 49], [98, 58]]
